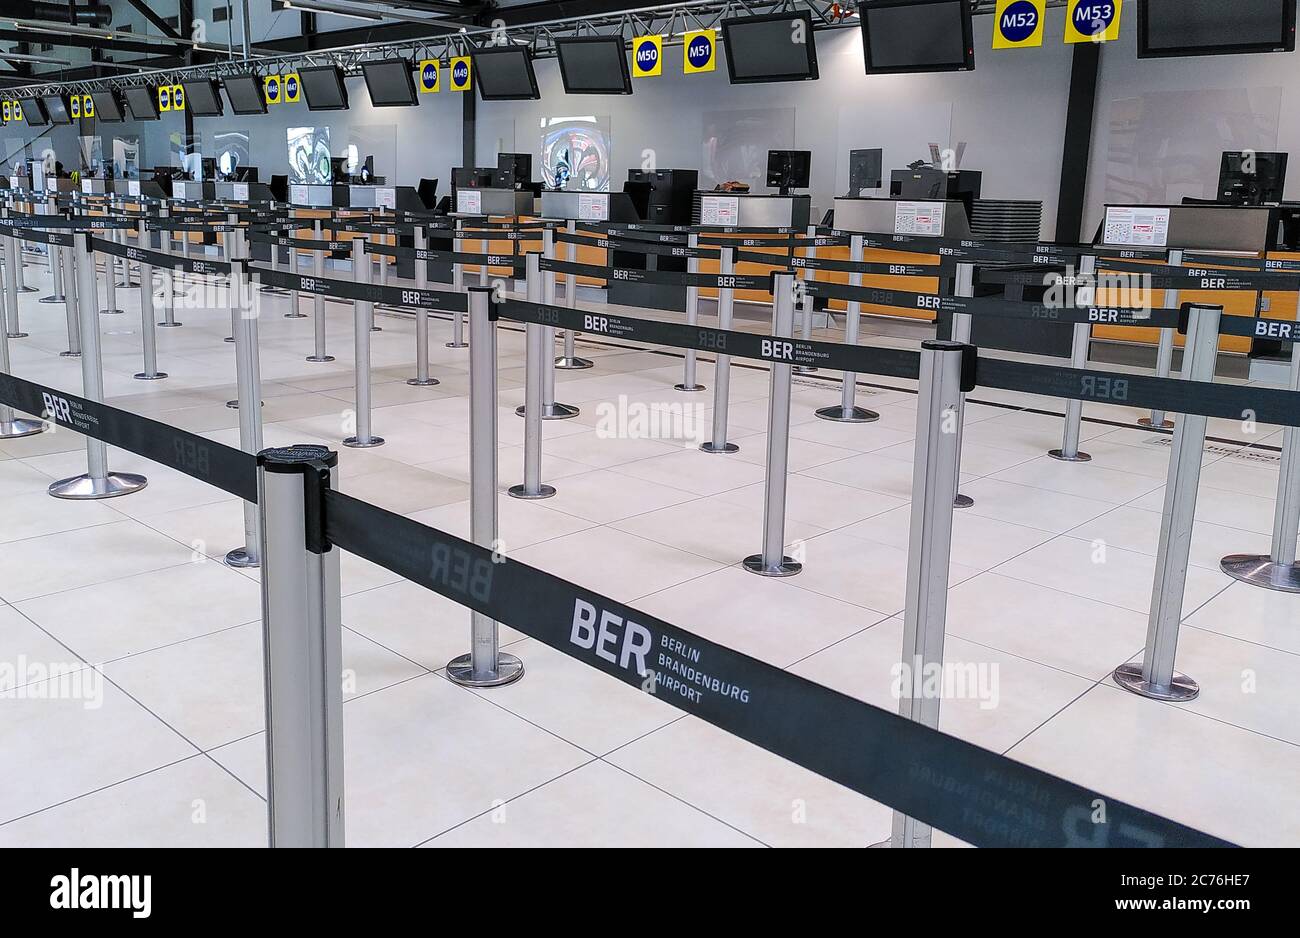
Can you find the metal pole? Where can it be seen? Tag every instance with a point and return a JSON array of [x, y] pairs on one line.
[[569, 360], [148, 336], [318, 270], [383, 282], [271, 289], [13, 285], [690, 360], [361, 340], [55, 258], [1278, 570], [23, 286], [302, 635], [1080, 339], [964, 286], [485, 665], [535, 351], [71, 307], [772, 561], [110, 281], [421, 379], [934, 477], [807, 304], [318, 307], [249, 377], [458, 284], [1155, 676], [550, 409], [1165, 351], [169, 275], [97, 482], [722, 363], [12, 427], [847, 410]]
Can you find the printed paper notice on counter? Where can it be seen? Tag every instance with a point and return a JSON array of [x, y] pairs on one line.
[[386, 198], [469, 201], [721, 210], [919, 218], [239, 191], [1137, 226], [298, 194], [133, 187], [593, 206]]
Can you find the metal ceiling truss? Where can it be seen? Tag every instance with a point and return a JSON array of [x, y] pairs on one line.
[[671, 20]]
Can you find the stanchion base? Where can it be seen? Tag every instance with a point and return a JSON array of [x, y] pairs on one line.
[[229, 338], [1077, 457], [53, 298], [19, 335], [963, 501], [145, 376], [274, 291], [1148, 422], [573, 364], [26, 289], [1182, 688], [319, 358], [519, 491], [83, 487], [457, 345], [295, 316], [69, 354], [717, 450], [110, 312], [461, 671], [241, 559], [1259, 571], [356, 443], [787, 566], [170, 325], [422, 382], [376, 329], [840, 415], [553, 411], [689, 387], [20, 427], [802, 370]]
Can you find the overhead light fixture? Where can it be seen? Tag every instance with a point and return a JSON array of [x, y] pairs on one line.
[[310, 7]]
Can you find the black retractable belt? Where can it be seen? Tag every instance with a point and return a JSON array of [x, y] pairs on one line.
[[408, 297]]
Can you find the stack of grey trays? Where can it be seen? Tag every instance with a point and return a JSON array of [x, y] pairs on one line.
[[1015, 220]]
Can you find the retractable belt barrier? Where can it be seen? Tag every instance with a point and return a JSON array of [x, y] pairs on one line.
[[636, 245], [848, 267], [676, 278], [159, 259], [42, 237], [366, 293]]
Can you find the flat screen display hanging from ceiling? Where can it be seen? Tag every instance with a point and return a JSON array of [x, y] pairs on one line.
[[323, 88], [141, 101], [505, 73], [57, 108], [594, 65], [917, 36], [202, 99], [108, 107], [34, 112], [779, 47], [245, 94], [1215, 27], [389, 82]]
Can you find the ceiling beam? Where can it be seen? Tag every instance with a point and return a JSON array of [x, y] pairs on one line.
[[163, 26]]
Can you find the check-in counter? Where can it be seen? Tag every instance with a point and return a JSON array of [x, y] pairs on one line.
[[1235, 231], [508, 202], [242, 192], [95, 186], [751, 210]]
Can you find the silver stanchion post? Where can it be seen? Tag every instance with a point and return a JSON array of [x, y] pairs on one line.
[[169, 275], [12, 427], [1155, 676], [302, 635], [71, 306], [318, 270], [722, 363], [110, 281], [458, 284], [535, 351], [55, 257], [1079, 342], [23, 285], [847, 410], [148, 337], [807, 304], [318, 308], [485, 665], [964, 286], [772, 561], [1165, 351], [1278, 570], [248, 370], [421, 379], [97, 482], [569, 361], [690, 359], [271, 289], [361, 339], [934, 478], [13, 287], [550, 409], [383, 282]]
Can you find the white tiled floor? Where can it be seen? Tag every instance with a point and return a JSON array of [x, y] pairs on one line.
[[1050, 583]]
